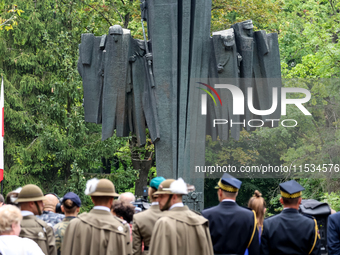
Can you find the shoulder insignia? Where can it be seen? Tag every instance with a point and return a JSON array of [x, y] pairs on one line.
[[254, 230], [316, 235]]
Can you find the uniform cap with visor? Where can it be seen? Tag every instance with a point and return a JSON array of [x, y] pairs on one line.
[[229, 183], [291, 189]]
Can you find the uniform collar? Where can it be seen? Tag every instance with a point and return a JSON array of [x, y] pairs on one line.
[[228, 200], [154, 203], [176, 205], [289, 210], [26, 213], [103, 208]]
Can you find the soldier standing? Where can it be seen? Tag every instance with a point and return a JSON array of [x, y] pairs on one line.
[[97, 232], [290, 232], [233, 228], [70, 206], [30, 200], [144, 222], [179, 231]]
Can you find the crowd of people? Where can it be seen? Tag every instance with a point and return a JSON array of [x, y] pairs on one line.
[[34, 223]]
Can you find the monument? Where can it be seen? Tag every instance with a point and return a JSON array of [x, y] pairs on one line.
[[131, 85]]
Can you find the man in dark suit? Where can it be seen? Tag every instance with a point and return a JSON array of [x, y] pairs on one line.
[[333, 234], [233, 229], [290, 232]]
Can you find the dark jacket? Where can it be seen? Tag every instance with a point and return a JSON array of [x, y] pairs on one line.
[[333, 234], [290, 233], [232, 228]]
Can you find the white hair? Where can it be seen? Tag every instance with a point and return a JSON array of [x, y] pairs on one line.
[[127, 197]]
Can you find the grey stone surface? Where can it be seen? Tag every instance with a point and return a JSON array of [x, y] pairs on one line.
[[267, 72], [163, 32], [226, 56], [131, 85], [90, 59], [244, 36]]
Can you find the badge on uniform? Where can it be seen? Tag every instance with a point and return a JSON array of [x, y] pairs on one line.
[[41, 235], [120, 228]]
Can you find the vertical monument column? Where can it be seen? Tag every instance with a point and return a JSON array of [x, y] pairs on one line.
[[163, 28], [200, 50]]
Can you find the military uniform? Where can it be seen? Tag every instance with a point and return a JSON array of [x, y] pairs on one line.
[[180, 231], [51, 218], [144, 222], [290, 232], [59, 232], [32, 227], [97, 232], [233, 229], [38, 231]]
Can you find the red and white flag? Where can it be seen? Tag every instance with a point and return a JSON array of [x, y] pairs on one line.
[[2, 130]]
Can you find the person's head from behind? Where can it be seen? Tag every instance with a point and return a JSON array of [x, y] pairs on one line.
[[227, 187], [10, 217], [257, 203], [50, 203], [123, 210], [102, 192], [291, 192], [127, 197], [71, 204], [12, 197]]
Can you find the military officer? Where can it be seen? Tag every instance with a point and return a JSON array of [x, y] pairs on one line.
[[30, 200], [179, 231], [144, 222], [290, 232], [97, 232], [233, 228]]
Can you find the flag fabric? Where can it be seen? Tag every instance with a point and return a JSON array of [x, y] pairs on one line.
[[2, 130]]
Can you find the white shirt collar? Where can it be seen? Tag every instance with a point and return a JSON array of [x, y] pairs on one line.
[[26, 213], [229, 200], [176, 205], [104, 208], [154, 203]]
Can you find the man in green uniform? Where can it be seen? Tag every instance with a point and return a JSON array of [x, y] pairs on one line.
[[144, 222], [30, 200], [70, 206], [98, 232], [179, 231]]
